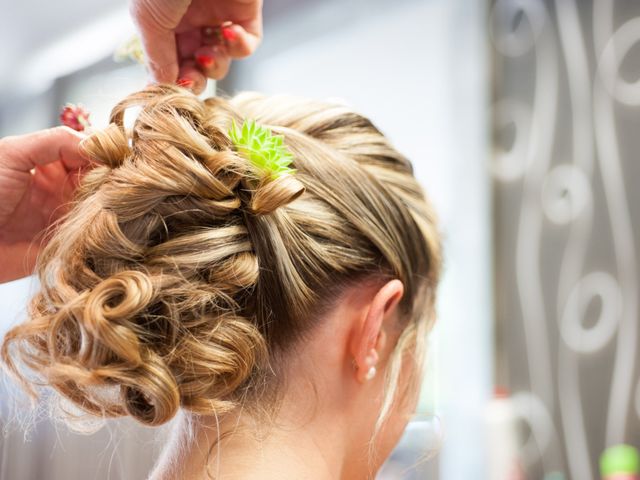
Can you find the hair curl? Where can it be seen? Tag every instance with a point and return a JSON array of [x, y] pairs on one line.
[[179, 275]]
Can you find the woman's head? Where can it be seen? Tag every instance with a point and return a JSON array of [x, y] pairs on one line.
[[181, 280]]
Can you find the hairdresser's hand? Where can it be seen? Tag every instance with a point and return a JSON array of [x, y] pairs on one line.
[[38, 174], [179, 46]]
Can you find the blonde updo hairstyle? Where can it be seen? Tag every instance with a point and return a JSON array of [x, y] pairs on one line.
[[181, 278]]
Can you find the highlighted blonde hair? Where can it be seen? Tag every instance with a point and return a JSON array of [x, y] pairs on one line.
[[180, 281]]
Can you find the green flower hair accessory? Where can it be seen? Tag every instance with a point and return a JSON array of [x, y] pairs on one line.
[[267, 152]]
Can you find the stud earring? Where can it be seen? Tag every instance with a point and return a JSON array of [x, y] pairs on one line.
[[371, 373]]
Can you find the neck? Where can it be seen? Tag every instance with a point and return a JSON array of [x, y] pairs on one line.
[[241, 448], [318, 432], [299, 443]]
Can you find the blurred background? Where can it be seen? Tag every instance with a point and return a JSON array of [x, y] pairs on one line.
[[520, 118]]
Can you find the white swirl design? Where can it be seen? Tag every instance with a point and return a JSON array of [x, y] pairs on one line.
[[609, 161], [566, 193], [534, 413], [512, 163], [563, 194], [595, 338]]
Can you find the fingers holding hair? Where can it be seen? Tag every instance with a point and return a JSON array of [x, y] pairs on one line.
[[157, 21]]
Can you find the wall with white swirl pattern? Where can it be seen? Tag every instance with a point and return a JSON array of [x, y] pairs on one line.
[[566, 115]]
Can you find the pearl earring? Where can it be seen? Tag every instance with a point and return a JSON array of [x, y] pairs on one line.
[[371, 373]]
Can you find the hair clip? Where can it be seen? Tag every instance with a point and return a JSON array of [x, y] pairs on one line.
[[75, 116], [267, 152]]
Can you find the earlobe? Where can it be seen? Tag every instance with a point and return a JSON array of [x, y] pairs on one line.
[[367, 369]]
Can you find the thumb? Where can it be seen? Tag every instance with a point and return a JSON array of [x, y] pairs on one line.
[[161, 55], [157, 21]]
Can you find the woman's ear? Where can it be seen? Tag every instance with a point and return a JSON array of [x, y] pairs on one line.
[[369, 338]]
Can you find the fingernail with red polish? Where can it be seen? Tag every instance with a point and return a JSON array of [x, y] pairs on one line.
[[229, 34], [205, 61], [185, 82]]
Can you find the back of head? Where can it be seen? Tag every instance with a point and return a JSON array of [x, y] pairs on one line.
[[181, 276]]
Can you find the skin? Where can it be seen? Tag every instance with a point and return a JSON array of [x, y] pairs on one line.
[[171, 33], [40, 171], [38, 175], [329, 408]]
